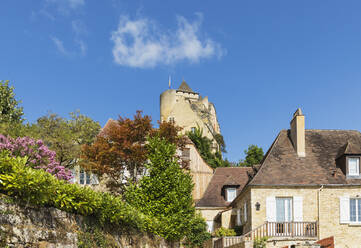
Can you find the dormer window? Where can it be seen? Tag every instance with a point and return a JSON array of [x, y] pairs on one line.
[[353, 166], [231, 194]]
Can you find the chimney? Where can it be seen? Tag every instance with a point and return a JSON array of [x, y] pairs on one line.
[[298, 133]]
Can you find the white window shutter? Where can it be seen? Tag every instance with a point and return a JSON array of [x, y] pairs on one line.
[[239, 222], [271, 208], [297, 208], [245, 212], [344, 209]]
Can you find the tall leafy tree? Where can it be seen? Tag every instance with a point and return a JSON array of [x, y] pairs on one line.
[[165, 192], [254, 155], [65, 136], [10, 111]]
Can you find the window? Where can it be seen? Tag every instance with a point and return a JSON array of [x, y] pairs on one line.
[[283, 209], [193, 129], [231, 194], [86, 178], [355, 210], [171, 119], [210, 226], [353, 166]]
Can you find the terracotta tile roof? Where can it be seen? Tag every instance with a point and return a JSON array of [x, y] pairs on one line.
[[282, 166], [237, 176]]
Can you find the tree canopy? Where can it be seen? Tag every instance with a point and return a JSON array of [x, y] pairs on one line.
[[120, 150], [65, 136], [10, 111], [165, 193], [254, 155]]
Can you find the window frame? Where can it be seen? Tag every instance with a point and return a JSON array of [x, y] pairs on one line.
[[290, 207], [348, 166], [227, 193], [357, 211]]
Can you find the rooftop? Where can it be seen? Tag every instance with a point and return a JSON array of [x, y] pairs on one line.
[[282, 166]]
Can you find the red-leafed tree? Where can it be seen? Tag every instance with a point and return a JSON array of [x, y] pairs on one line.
[[120, 152]]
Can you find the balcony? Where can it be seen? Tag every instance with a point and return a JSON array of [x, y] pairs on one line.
[[277, 230]]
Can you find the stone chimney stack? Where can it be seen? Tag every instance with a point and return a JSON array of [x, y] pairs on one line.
[[298, 133]]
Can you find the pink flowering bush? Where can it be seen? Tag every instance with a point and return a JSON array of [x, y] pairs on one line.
[[38, 155]]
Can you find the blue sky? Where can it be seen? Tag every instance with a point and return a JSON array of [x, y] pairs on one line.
[[258, 61]]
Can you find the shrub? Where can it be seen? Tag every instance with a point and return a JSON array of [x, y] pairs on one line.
[[223, 232], [43, 189], [260, 242], [36, 153], [197, 234]]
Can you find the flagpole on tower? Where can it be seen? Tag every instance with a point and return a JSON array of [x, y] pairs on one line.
[[169, 81]]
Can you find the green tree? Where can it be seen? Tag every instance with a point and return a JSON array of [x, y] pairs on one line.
[[165, 193], [65, 136], [11, 114], [10, 110], [254, 155]]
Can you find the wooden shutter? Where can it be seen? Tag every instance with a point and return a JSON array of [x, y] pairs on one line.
[[239, 217], [271, 208], [245, 212], [297, 208], [344, 209]]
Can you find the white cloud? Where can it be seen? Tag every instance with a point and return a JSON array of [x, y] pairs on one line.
[[60, 46], [141, 43]]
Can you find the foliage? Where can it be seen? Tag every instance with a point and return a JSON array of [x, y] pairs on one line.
[[121, 148], [41, 188], [36, 155], [94, 238], [197, 234], [223, 232], [10, 111], [220, 140], [254, 155], [65, 136], [260, 242], [165, 193], [204, 146]]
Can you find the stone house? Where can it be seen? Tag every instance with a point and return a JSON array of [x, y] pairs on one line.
[[307, 188], [224, 186]]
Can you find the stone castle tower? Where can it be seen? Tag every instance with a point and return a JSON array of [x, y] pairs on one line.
[[189, 110]]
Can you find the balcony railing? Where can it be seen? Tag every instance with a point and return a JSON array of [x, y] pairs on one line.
[[272, 230]]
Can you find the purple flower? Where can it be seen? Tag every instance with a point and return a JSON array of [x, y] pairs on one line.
[[39, 156]]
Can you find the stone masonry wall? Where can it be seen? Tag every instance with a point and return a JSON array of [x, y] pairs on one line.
[[49, 227], [318, 205]]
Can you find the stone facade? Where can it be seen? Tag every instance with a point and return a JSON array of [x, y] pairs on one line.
[[321, 204], [189, 110]]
